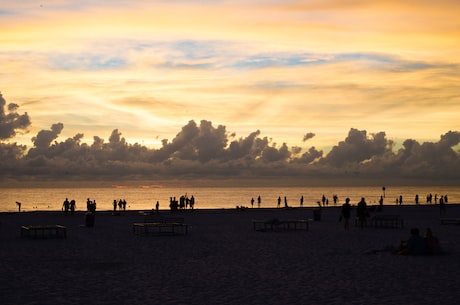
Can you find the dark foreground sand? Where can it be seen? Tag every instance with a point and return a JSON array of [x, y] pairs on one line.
[[224, 261]]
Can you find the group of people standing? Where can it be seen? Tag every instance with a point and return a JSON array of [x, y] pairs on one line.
[[361, 213], [184, 203], [69, 206], [324, 201], [120, 203]]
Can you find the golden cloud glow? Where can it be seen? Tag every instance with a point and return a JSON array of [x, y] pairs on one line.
[[284, 67]]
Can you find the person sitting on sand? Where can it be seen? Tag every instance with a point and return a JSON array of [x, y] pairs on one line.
[[415, 245], [432, 243]]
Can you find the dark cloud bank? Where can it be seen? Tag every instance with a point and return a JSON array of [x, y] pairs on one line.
[[203, 151]]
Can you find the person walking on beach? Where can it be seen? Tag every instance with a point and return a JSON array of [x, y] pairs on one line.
[[345, 213], [157, 207], [279, 201], [301, 201], [442, 207], [259, 200], [252, 202], [362, 212]]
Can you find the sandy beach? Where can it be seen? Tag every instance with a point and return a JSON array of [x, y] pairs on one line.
[[223, 260]]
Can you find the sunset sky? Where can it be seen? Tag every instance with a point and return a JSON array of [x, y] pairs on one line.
[[286, 68]]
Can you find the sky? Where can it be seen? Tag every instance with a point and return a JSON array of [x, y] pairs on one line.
[[299, 73]]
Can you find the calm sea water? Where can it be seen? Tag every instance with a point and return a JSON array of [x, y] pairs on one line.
[[51, 199]]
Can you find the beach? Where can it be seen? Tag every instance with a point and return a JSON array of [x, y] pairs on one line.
[[223, 260]]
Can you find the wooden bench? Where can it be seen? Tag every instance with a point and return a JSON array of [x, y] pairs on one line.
[[46, 231], [387, 221], [450, 221], [277, 225], [154, 225]]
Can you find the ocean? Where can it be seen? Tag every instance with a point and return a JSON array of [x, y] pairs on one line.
[[145, 198]]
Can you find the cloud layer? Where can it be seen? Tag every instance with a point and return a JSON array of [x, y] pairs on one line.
[[146, 67], [204, 151]]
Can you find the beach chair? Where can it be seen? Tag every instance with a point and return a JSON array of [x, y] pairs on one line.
[[154, 225], [44, 231], [450, 221], [278, 225]]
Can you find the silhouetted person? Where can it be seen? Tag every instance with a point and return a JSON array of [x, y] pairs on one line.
[[301, 201], [432, 243], [285, 202], [157, 207], [252, 202], [346, 210], [66, 205], [415, 245], [279, 201], [381, 203], [442, 207], [336, 199], [259, 200], [72, 206], [114, 205], [361, 212], [19, 206]]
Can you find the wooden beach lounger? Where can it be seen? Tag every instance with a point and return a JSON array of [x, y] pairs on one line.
[[277, 225], [450, 221], [47, 231], [383, 221], [387, 221], [161, 226]]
